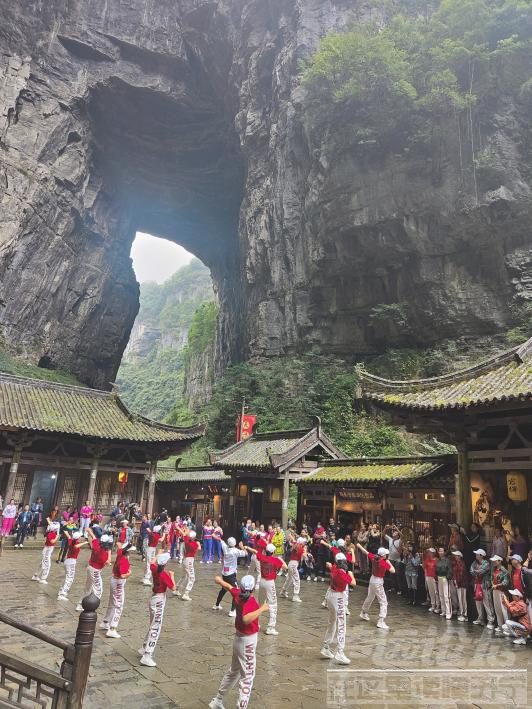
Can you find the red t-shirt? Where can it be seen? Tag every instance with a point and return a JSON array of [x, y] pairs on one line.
[[516, 580], [242, 609], [429, 566], [122, 535], [379, 566], [99, 557], [154, 539], [261, 543], [121, 565], [161, 581], [340, 579], [191, 547], [269, 565], [73, 549], [297, 552], [51, 538]]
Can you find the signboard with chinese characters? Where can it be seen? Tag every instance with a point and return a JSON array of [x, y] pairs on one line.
[[358, 495]]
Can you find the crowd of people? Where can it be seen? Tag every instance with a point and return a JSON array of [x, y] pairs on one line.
[[456, 578]]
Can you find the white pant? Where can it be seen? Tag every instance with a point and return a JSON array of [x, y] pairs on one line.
[[157, 604], [376, 590], [44, 568], [444, 592], [292, 578], [336, 627], [115, 606], [70, 573], [461, 595], [255, 568], [243, 664], [150, 555], [267, 590], [84, 523], [499, 608], [432, 588], [93, 582], [486, 604], [189, 575]]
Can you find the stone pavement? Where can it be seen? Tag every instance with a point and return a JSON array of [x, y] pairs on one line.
[[195, 645]]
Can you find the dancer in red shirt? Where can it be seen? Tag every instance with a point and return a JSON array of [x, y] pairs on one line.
[[379, 566], [162, 581], [100, 557], [154, 539], [52, 535], [269, 566], [243, 663], [299, 552], [74, 544], [341, 579], [429, 567], [117, 591], [191, 549]]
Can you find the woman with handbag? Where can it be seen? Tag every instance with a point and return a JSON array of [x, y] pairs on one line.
[[481, 575]]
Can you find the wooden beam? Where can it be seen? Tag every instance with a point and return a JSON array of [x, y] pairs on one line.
[[464, 512]]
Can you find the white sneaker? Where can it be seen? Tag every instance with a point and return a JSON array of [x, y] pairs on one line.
[[21, 546], [146, 582], [497, 629], [176, 593], [186, 597], [216, 607], [478, 622], [79, 607], [322, 579], [16, 546], [315, 578], [34, 577], [490, 626], [364, 616], [461, 618], [324, 604], [232, 614], [296, 599], [62, 597], [448, 617], [284, 594], [112, 633], [141, 651], [271, 631], [431, 610], [43, 581], [308, 578], [341, 659], [520, 641], [148, 661], [216, 704], [382, 625], [325, 652], [103, 625], [347, 611]]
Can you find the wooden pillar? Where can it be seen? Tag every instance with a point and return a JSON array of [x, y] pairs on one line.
[[151, 488], [334, 505], [79, 672], [92, 480], [464, 511], [231, 512], [284, 503], [13, 470]]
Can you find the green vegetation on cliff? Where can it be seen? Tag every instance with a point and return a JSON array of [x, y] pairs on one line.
[[12, 365]]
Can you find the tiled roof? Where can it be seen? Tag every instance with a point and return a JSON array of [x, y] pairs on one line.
[[505, 378], [192, 475], [36, 405], [380, 470], [273, 449]]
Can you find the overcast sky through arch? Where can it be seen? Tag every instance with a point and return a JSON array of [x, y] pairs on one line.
[[156, 259]]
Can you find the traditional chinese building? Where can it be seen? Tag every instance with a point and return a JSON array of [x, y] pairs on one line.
[[416, 493], [262, 467], [486, 412], [200, 492], [67, 444]]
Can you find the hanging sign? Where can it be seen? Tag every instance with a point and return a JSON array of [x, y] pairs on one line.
[[246, 430], [516, 484]]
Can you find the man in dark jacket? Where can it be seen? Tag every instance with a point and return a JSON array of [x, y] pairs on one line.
[[24, 522]]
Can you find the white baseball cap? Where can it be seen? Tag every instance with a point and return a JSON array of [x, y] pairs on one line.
[[457, 552], [105, 538], [480, 551], [247, 583], [76, 535], [340, 557], [270, 547], [157, 528], [53, 526], [496, 557], [192, 534], [515, 592], [382, 551], [301, 540], [432, 549], [341, 542], [517, 558], [231, 542], [162, 559]]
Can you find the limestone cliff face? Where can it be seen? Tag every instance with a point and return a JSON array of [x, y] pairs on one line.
[[184, 118]]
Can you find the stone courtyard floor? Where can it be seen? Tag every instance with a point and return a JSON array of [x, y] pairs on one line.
[[389, 668]]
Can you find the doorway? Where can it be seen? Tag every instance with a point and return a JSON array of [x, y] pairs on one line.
[[256, 504], [43, 485]]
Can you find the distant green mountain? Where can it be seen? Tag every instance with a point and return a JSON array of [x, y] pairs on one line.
[[150, 378]]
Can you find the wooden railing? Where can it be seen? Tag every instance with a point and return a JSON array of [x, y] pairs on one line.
[[28, 685]]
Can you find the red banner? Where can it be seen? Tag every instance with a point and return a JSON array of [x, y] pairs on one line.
[[245, 431]]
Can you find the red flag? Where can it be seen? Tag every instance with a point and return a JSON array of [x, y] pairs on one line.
[[246, 430]]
